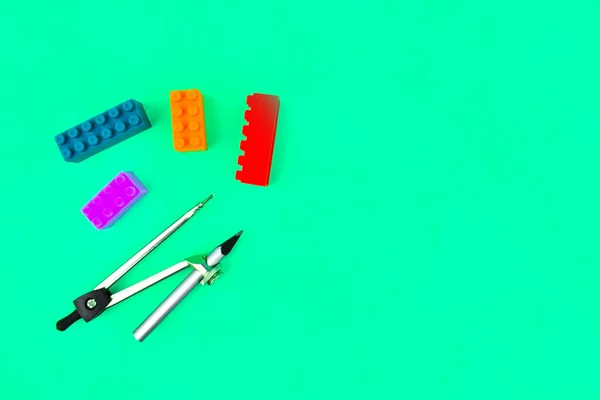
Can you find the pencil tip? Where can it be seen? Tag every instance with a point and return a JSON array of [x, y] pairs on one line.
[[229, 243]]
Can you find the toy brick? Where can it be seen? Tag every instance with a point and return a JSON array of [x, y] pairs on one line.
[[118, 196], [260, 139], [103, 131], [187, 120]]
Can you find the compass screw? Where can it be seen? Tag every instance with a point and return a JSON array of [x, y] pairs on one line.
[[91, 304]]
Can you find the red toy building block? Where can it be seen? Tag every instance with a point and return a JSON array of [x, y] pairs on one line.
[[260, 139]]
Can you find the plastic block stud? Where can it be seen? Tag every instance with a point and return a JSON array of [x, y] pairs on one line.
[[118, 196], [260, 139], [187, 119], [103, 131]]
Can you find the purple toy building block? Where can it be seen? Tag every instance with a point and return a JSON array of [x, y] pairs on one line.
[[111, 202]]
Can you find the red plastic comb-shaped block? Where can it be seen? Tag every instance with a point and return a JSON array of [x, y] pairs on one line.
[[260, 139]]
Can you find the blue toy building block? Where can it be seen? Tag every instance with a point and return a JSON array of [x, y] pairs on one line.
[[103, 131]]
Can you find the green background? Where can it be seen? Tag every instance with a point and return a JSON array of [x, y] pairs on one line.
[[430, 230]]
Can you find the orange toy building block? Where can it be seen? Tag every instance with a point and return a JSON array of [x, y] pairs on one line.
[[187, 119]]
